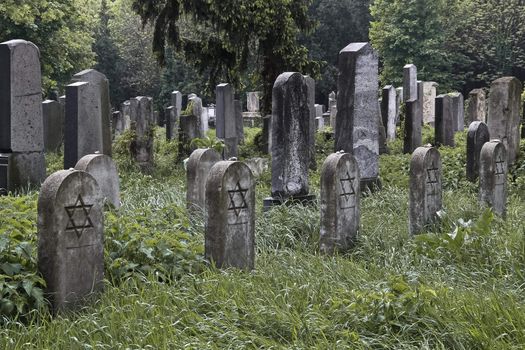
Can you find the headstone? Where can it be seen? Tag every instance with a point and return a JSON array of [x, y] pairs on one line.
[[197, 112], [458, 111], [413, 122], [225, 119], [429, 102], [332, 108], [252, 101], [53, 120], [21, 123], [389, 111], [340, 211], [410, 93], [143, 124], [104, 171], [70, 238], [310, 82], [176, 101], [504, 114], [290, 132], [266, 134], [477, 106], [117, 124], [125, 111], [381, 129], [197, 169], [425, 188], [319, 110], [5, 164], [357, 109], [188, 130], [319, 123], [444, 127], [399, 102], [100, 109], [230, 216], [239, 126], [493, 177], [205, 121], [172, 124], [477, 136], [257, 165], [327, 119]]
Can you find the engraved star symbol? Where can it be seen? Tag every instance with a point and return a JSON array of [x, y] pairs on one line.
[[432, 174], [83, 210], [499, 166], [351, 192], [238, 192]]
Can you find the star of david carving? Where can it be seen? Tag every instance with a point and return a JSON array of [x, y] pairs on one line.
[[499, 166], [237, 199], [80, 221], [347, 191], [432, 178]]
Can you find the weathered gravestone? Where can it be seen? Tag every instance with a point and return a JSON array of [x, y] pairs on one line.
[[358, 111], [172, 125], [266, 134], [22, 159], [381, 129], [332, 108], [252, 101], [478, 134], [230, 216], [444, 125], [176, 101], [340, 211], [429, 102], [100, 108], [225, 120], [104, 171], [410, 90], [70, 238], [189, 129], [125, 111], [425, 188], [197, 169], [399, 103], [389, 111], [117, 125], [239, 126], [290, 132], [458, 111], [477, 106], [504, 114], [493, 176], [142, 124], [53, 120], [310, 82], [413, 121]]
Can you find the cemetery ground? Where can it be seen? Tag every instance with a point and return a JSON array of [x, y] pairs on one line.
[[461, 285]]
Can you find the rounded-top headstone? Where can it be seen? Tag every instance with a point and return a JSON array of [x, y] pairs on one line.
[[105, 172], [197, 169], [70, 237], [493, 176], [478, 134]]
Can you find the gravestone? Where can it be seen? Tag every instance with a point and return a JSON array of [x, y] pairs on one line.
[[429, 102], [332, 108], [239, 126], [188, 130], [310, 82], [172, 125], [389, 111], [197, 169], [319, 110], [413, 122], [104, 171], [176, 101], [142, 124], [504, 114], [266, 134], [399, 103], [410, 90], [21, 123], [252, 101], [290, 132], [53, 120], [493, 176], [340, 211], [477, 106], [444, 126], [358, 111], [116, 123], [196, 103], [478, 134], [230, 216], [425, 188], [70, 238], [381, 129], [125, 111], [100, 109], [458, 111], [225, 120]]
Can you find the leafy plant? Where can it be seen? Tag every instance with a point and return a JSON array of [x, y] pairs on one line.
[[207, 142]]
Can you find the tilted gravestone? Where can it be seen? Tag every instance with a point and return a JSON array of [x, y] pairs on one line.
[[53, 120], [197, 169], [458, 111], [230, 216], [493, 176], [225, 119], [389, 111], [429, 102], [22, 159], [104, 171], [142, 124], [70, 238], [172, 125], [100, 109], [476, 106], [413, 121], [425, 188], [410, 91], [478, 134], [358, 114], [290, 132], [504, 114], [340, 211], [310, 82], [444, 125]]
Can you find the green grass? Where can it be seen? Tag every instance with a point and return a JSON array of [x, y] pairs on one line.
[[460, 286]]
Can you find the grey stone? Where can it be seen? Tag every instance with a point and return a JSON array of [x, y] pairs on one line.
[[425, 188], [477, 106], [504, 114], [429, 102], [444, 127], [125, 111], [493, 177], [266, 134], [257, 165], [413, 122], [105, 172], [225, 120], [53, 118], [188, 130], [332, 108], [70, 238], [478, 134], [458, 111], [310, 83], [5, 162], [117, 123], [197, 112], [319, 123], [172, 123], [399, 103], [142, 124], [205, 120], [100, 109], [319, 110], [340, 210], [230, 216], [389, 111], [410, 93], [252, 101], [383, 147], [20, 169], [197, 169], [238, 121], [176, 102]]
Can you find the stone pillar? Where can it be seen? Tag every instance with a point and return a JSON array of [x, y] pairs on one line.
[[53, 120], [458, 111], [197, 169], [116, 123], [142, 145], [225, 119], [425, 188], [332, 108], [429, 102], [413, 121], [21, 123], [172, 123], [230, 216], [310, 82], [478, 134], [358, 111], [389, 111], [493, 177], [477, 106], [70, 238], [399, 102], [444, 127], [504, 114], [125, 111], [410, 90], [239, 126], [340, 211], [105, 172], [176, 101]]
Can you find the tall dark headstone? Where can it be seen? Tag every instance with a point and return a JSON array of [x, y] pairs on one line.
[[458, 111], [478, 134], [225, 120], [410, 90], [53, 120], [493, 177], [413, 121], [444, 127], [142, 124]]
